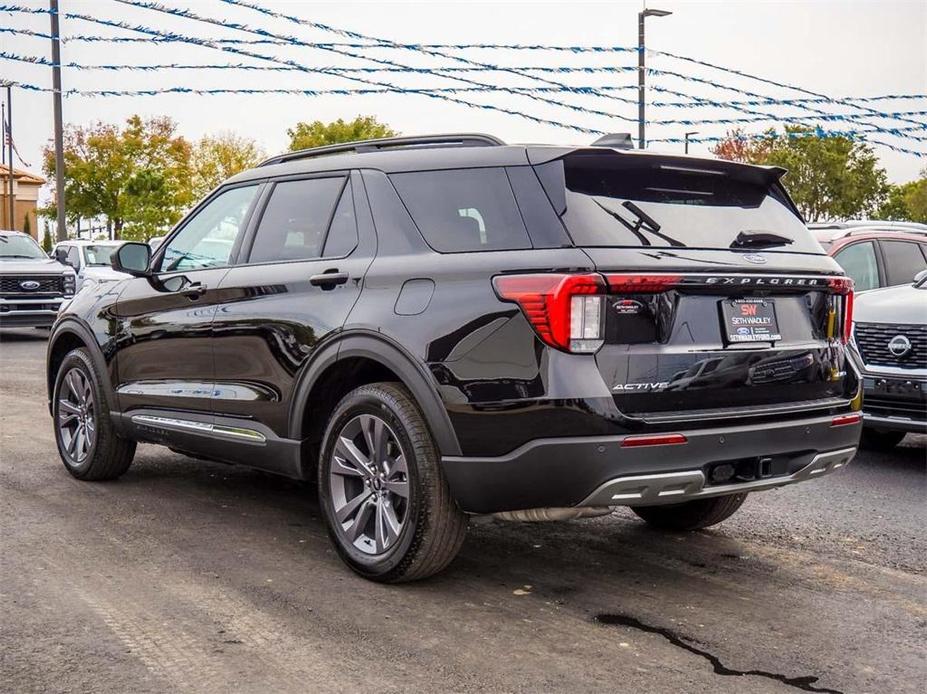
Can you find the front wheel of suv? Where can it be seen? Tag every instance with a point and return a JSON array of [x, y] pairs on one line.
[[691, 515], [87, 442], [385, 501]]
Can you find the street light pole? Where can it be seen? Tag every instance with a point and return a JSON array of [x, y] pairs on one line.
[[642, 71], [61, 231], [694, 132]]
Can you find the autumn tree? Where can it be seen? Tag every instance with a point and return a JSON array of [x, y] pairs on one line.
[[829, 177], [136, 177], [218, 157], [315, 134]]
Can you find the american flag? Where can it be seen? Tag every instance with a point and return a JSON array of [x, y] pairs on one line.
[[8, 141]]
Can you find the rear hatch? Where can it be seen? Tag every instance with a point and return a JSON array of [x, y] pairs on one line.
[[718, 298]]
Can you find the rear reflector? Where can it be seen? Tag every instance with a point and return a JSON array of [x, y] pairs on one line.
[[656, 440], [566, 310], [844, 419]]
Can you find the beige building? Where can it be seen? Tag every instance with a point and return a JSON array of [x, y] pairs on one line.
[[25, 200]]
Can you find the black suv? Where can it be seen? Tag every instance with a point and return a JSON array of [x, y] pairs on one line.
[[440, 326]]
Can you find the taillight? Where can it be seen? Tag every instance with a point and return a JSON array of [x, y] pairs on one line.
[[641, 284], [845, 419], [567, 311], [844, 287]]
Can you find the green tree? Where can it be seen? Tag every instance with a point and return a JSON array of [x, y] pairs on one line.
[[47, 239], [315, 134], [906, 202], [217, 157], [829, 177], [137, 178]]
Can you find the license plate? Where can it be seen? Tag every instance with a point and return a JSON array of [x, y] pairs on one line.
[[750, 320]]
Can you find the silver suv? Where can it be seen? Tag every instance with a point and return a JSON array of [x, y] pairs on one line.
[[890, 349], [32, 285]]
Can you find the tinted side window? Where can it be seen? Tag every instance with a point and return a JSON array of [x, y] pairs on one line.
[[903, 260], [295, 220], [207, 239], [463, 210], [859, 262], [342, 234], [73, 257]]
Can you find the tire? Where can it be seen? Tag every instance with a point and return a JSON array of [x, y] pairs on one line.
[[80, 403], [431, 528], [877, 440], [691, 515]]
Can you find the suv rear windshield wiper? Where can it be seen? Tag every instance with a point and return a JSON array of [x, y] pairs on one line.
[[759, 239]]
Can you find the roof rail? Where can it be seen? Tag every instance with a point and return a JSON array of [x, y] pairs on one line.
[[360, 146], [852, 231]]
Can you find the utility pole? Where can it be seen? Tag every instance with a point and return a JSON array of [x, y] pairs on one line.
[[642, 71], [8, 127], [61, 231], [3, 159]]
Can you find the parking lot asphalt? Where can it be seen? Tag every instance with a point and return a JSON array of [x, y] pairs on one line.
[[199, 577]]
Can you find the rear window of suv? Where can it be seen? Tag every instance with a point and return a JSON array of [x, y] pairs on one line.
[[463, 209], [692, 205]]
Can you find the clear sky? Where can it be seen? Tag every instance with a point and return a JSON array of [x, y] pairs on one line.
[[841, 49]]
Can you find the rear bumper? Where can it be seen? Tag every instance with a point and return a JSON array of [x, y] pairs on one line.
[[592, 470]]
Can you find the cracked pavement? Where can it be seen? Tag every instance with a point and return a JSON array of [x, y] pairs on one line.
[[186, 576]]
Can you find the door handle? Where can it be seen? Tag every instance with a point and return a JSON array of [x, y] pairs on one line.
[[194, 290], [328, 279]]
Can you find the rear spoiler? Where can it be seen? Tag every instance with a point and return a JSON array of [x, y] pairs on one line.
[[768, 176]]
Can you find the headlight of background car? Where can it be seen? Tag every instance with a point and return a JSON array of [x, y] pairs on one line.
[[69, 282]]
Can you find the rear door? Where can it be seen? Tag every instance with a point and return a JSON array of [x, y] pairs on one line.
[[302, 274], [719, 297], [902, 260]]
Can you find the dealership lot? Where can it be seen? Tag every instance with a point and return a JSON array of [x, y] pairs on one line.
[[187, 576]]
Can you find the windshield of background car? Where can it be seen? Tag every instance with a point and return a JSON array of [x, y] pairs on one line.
[[692, 206], [98, 255], [19, 246]]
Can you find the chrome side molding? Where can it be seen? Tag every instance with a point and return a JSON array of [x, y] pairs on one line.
[[675, 487], [194, 427]]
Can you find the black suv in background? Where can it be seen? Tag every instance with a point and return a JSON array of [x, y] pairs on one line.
[[447, 325]]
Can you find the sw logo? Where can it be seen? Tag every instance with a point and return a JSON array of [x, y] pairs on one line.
[[748, 309]]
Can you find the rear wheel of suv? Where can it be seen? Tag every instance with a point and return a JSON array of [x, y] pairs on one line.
[[877, 440], [87, 442], [386, 503], [691, 515]]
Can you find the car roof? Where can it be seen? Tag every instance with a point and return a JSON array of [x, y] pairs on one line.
[[427, 153], [87, 242], [829, 235]]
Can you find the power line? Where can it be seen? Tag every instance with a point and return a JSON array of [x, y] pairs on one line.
[[206, 43]]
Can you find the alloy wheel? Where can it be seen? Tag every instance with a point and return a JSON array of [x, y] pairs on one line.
[[369, 483], [76, 415]]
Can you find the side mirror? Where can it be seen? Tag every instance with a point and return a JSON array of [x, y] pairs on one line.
[[132, 258], [920, 277], [61, 255]]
